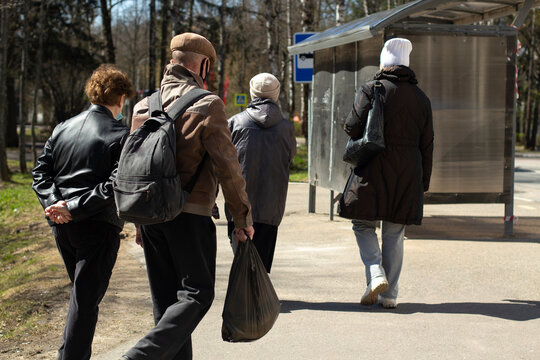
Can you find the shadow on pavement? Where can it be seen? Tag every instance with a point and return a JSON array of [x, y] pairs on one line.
[[288, 306], [516, 310], [473, 228]]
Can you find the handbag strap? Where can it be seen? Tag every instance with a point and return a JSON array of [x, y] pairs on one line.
[[377, 88]]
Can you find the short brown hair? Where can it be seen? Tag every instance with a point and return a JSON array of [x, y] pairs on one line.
[[107, 85]]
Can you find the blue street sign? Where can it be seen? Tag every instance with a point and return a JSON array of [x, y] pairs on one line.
[[240, 99], [303, 63]]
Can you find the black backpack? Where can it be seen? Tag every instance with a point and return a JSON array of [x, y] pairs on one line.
[[147, 188]]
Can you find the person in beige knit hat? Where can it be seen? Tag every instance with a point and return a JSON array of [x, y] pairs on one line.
[[181, 254], [264, 85], [266, 145]]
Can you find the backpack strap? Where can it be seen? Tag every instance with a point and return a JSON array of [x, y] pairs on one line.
[[154, 103], [185, 101], [178, 108]]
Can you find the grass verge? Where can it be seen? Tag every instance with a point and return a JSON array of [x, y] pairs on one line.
[[31, 272], [33, 282], [299, 167]]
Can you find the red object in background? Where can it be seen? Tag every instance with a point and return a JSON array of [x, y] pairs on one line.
[[225, 88], [209, 81], [297, 119]]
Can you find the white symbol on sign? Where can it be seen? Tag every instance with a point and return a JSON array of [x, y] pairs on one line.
[[240, 100], [305, 60]]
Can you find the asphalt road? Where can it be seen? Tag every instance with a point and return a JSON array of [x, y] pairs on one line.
[[527, 182], [466, 291]]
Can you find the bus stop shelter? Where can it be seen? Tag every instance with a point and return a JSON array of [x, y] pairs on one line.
[[467, 69]]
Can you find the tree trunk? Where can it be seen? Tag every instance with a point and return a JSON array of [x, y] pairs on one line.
[[534, 131], [107, 31], [190, 15], [164, 36], [37, 82], [4, 170], [366, 8], [152, 49], [282, 57], [308, 9], [530, 79], [340, 12], [292, 102], [271, 19], [177, 19], [241, 78], [12, 109], [22, 94], [222, 53]]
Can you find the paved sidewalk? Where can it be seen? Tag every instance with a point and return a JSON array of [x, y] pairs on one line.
[[466, 292]]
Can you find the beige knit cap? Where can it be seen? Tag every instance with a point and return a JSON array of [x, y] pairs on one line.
[[264, 85], [194, 43]]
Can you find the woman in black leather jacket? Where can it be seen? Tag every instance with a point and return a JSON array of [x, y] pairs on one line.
[[72, 179]]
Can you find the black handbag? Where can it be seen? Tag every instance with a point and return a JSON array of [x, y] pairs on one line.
[[361, 151]]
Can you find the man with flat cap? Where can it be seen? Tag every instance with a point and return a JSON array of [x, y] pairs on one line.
[[181, 254]]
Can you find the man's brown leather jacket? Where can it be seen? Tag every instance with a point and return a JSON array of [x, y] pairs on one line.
[[202, 128]]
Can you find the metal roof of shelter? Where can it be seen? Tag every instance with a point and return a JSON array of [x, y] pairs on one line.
[[442, 12]]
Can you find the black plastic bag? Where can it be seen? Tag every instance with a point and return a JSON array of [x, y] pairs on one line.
[[361, 151], [251, 304]]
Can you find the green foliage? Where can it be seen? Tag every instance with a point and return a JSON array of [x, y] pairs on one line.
[[299, 167], [520, 138], [301, 176], [16, 197], [42, 134], [298, 129], [18, 204]]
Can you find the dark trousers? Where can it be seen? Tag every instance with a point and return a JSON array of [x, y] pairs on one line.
[[89, 250], [181, 265], [265, 241]]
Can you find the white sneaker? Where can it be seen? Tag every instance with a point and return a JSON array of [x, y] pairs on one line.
[[375, 287], [388, 303]]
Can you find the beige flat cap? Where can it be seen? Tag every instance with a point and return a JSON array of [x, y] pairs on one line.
[[194, 43]]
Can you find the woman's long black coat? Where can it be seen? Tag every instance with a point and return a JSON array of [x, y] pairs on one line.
[[391, 187]]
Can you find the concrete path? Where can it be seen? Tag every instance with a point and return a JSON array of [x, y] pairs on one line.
[[466, 292]]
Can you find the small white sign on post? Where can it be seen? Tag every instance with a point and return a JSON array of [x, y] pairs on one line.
[[303, 63]]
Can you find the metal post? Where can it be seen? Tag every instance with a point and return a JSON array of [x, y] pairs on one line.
[[331, 205], [311, 176], [312, 196], [509, 218], [333, 201], [510, 139], [509, 205]]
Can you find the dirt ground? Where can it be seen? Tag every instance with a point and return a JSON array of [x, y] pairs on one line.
[[118, 316]]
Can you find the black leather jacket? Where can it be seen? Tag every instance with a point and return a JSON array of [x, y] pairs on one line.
[[77, 162]]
